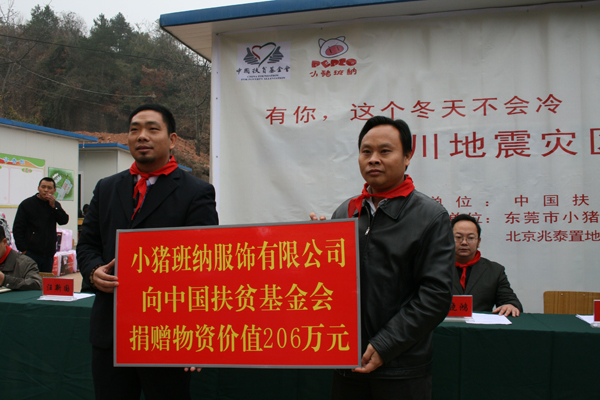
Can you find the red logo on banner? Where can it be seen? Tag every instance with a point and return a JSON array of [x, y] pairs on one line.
[[57, 287], [282, 295], [462, 306]]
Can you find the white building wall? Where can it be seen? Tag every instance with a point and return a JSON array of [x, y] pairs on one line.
[[95, 164], [125, 160]]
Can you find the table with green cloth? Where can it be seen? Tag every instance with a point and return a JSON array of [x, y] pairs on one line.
[[539, 356], [45, 354]]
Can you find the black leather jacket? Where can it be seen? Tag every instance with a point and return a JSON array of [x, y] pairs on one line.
[[406, 266]]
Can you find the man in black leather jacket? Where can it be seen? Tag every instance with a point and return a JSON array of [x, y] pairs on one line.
[[406, 266]]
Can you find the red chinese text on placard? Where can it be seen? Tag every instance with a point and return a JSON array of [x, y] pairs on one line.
[[57, 287], [283, 295], [462, 306]]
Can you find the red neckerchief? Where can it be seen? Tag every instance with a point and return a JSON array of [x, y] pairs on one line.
[[463, 277], [405, 188], [141, 186], [8, 249]]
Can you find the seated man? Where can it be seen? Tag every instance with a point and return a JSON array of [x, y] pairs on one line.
[[485, 280], [17, 272]]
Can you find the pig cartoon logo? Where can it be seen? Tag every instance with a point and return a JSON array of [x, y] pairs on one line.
[[333, 47]]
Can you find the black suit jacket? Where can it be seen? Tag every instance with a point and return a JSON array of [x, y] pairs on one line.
[[489, 286], [175, 200]]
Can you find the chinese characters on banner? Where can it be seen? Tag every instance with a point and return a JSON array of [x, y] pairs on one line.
[[283, 295], [486, 107], [501, 132], [473, 144], [551, 218]]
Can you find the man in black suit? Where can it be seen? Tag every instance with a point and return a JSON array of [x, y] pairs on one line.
[[35, 225], [153, 193], [485, 280]]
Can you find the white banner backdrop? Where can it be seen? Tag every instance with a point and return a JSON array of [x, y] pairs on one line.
[[504, 107]]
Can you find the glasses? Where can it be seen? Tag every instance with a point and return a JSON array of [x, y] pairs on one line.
[[459, 239]]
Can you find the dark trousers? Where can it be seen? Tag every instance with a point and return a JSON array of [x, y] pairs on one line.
[[127, 383], [366, 387], [44, 263]]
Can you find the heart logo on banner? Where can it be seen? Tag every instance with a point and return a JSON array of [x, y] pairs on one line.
[[263, 52]]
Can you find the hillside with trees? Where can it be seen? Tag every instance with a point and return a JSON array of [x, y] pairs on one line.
[[55, 74]]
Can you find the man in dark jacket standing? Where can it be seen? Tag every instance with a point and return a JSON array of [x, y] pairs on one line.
[[406, 261], [153, 193], [35, 225]]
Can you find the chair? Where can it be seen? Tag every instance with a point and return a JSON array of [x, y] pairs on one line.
[[559, 302]]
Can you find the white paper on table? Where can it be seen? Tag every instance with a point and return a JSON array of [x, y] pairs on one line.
[[489, 319], [589, 319], [76, 296]]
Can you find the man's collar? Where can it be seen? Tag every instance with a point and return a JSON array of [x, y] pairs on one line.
[[151, 179], [369, 201]]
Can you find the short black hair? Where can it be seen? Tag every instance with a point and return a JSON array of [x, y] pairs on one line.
[[400, 125], [47, 179], [2, 234], [467, 217], [168, 117]]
